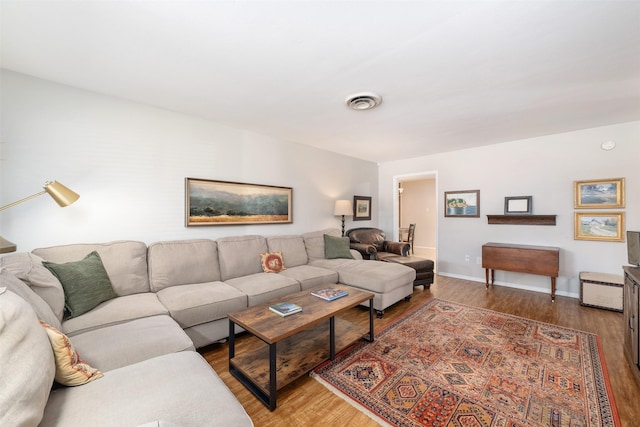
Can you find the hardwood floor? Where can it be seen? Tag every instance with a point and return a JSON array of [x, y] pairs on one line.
[[306, 402]]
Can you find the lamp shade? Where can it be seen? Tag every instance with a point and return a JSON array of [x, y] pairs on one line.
[[6, 246], [61, 194], [343, 207]]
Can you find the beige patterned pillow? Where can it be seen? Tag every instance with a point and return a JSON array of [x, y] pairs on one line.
[[70, 369], [272, 262]]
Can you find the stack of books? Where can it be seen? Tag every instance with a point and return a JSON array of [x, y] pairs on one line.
[[329, 294], [285, 308]]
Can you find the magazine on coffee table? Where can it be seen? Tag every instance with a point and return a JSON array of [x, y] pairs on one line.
[[330, 294], [285, 308]]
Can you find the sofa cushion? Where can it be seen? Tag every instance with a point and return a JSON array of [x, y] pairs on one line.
[[117, 310], [262, 287], [314, 242], [310, 276], [28, 268], [336, 247], [71, 370], [131, 342], [333, 264], [192, 305], [292, 248], [272, 262], [240, 255], [17, 286], [179, 388], [182, 262], [86, 283], [125, 262], [27, 368]]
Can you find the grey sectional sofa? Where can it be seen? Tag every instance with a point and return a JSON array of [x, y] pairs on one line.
[[171, 298]]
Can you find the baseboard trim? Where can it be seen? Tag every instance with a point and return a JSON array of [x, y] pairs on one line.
[[512, 285]]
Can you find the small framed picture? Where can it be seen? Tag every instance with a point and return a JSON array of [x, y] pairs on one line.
[[599, 194], [462, 203], [361, 208], [602, 226], [518, 205]]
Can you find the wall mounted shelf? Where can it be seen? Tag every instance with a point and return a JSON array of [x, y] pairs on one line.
[[522, 219]]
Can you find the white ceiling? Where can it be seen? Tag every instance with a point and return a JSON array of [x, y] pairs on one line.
[[452, 74]]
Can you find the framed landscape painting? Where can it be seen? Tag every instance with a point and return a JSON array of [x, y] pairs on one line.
[[233, 203], [602, 226], [599, 194], [462, 203]]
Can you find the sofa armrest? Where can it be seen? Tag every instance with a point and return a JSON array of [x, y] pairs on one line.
[[399, 248], [367, 251]]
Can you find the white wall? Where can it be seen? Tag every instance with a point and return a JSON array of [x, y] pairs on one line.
[[129, 162], [544, 168]]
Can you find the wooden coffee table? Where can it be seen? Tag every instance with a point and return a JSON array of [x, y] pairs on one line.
[[295, 344]]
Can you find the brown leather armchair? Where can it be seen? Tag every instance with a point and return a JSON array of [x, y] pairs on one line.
[[373, 244]]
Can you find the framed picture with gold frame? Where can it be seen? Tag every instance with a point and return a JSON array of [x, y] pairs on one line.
[[599, 194], [600, 226]]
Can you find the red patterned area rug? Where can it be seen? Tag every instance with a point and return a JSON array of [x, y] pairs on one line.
[[448, 364]]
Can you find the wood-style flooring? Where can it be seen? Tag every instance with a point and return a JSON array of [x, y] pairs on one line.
[[306, 402]]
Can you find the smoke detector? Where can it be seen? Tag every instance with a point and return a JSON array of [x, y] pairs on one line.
[[608, 145], [363, 101]]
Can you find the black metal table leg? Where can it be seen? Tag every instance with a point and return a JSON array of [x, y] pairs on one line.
[[272, 377], [232, 341], [270, 399], [332, 337], [370, 320]]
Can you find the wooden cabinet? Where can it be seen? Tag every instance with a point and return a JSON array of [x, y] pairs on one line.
[[631, 311]]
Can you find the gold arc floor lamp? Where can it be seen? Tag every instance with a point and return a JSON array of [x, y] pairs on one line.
[[343, 208], [61, 194]]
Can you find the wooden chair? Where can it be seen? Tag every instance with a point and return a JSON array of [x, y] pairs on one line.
[[409, 237]]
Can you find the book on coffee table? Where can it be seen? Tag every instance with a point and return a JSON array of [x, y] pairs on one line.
[[285, 308], [329, 294]]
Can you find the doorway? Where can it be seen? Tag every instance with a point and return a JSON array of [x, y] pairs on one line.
[[417, 204]]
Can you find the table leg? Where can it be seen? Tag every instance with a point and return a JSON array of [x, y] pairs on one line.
[[370, 339], [268, 398], [332, 338], [272, 377], [486, 277], [232, 341], [553, 289]]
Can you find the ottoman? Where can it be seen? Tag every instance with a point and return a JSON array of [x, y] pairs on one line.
[[422, 266]]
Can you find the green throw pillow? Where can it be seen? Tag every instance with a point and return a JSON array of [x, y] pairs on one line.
[[85, 283], [336, 247]]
